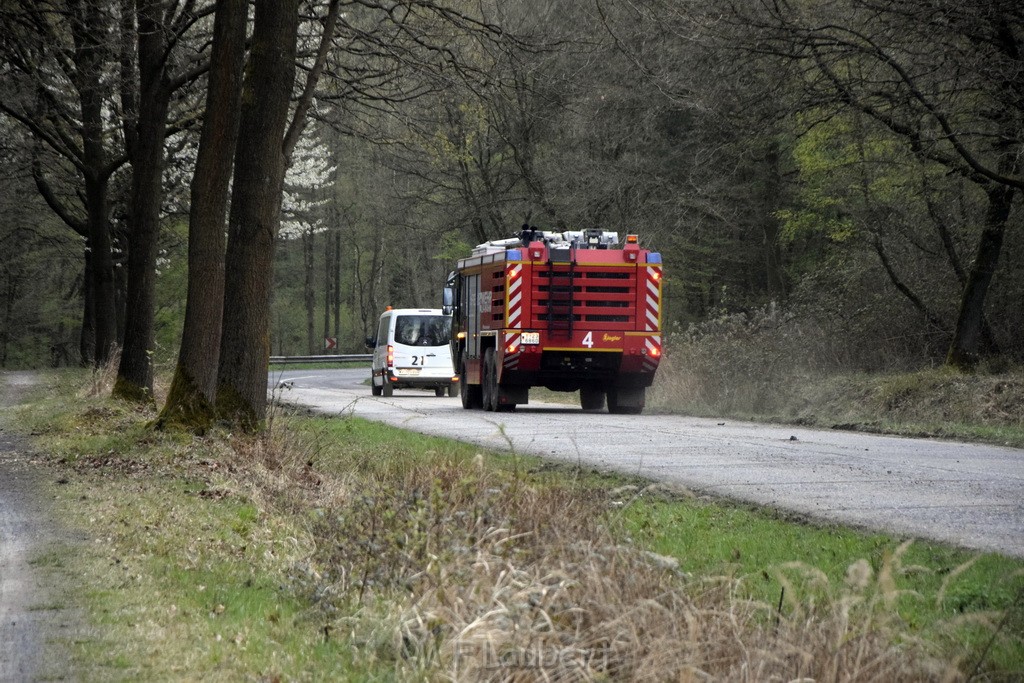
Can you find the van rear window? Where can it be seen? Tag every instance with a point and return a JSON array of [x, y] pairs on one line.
[[423, 330]]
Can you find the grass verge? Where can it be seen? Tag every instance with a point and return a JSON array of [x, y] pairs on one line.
[[339, 549]]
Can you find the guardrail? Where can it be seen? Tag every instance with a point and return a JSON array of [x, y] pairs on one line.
[[334, 358]]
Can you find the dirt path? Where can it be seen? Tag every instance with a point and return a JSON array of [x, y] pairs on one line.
[[36, 621]]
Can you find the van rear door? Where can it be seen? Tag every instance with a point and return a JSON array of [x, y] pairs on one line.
[[421, 342]]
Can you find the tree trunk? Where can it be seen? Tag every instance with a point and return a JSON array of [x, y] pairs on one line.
[[308, 292], [964, 351], [87, 28], [98, 220], [10, 296], [336, 274], [87, 335], [256, 215], [135, 372], [328, 282], [193, 392], [366, 284], [775, 276], [104, 308]]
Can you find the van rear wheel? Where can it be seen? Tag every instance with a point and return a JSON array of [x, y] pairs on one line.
[[386, 388]]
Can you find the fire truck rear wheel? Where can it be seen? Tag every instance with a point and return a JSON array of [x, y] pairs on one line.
[[634, 405], [469, 393], [591, 399], [490, 381]]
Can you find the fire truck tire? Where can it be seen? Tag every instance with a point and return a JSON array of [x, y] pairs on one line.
[[469, 393], [591, 399], [386, 388], [496, 391], [626, 410], [490, 382], [630, 404], [374, 389]]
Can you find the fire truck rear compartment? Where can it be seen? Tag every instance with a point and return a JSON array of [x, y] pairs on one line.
[[584, 295]]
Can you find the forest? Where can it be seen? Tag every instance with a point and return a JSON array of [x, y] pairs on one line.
[[833, 183]]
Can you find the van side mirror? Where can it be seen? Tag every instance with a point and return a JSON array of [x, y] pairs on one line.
[[447, 300], [371, 343]]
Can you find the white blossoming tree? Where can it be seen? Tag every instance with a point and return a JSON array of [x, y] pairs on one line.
[[304, 215]]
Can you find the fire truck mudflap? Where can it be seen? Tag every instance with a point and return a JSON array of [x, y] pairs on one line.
[[570, 311]]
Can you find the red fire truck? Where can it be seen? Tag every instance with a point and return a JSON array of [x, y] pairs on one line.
[[571, 311]]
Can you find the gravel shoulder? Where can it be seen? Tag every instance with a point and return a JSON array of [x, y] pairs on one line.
[[37, 620]]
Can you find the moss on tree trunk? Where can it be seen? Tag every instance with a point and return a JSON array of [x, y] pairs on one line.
[[186, 407], [233, 407], [127, 390]]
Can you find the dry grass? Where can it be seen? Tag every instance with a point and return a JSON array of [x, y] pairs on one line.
[[769, 367], [586, 609], [451, 570], [101, 379]]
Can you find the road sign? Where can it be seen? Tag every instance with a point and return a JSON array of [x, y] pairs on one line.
[[330, 343]]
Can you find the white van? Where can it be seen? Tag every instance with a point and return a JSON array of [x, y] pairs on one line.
[[411, 350]]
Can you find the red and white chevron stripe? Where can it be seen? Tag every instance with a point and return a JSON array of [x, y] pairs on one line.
[[652, 352], [652, 306], [514, 296], [513, 349]]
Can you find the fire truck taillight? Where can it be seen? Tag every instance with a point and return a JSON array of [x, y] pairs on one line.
[[655, 351], [655, 275]]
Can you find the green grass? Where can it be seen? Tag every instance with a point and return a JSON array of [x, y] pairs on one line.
[[53, 559], [183, 585], [374, 445]]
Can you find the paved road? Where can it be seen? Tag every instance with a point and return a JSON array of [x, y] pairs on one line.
[[965, 494]]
